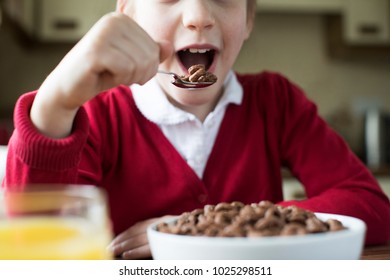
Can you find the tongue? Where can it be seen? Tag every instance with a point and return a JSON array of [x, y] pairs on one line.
[[188, 59]]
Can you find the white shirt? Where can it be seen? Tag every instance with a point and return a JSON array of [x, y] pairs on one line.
[[193, 139]]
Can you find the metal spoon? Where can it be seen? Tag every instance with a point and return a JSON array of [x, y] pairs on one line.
[[179, 82]]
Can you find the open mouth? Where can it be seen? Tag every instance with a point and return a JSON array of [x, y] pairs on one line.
[[189, 57]]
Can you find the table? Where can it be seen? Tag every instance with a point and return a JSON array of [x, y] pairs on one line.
[[378, 252]]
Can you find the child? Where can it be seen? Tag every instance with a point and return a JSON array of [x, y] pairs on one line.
[[161, 150]]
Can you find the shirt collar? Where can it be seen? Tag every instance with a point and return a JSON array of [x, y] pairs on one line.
[[154, 105]]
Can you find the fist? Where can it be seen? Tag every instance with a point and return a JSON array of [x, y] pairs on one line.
[[115, 51]]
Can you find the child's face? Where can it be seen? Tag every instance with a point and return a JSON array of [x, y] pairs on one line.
[[209, 32]]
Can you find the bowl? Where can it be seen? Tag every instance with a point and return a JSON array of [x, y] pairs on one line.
[[341, 245]]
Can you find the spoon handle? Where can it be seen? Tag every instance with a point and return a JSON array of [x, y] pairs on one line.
[[168, 73]]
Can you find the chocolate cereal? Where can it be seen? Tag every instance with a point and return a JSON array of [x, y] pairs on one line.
[[198, 74], [255, 220]]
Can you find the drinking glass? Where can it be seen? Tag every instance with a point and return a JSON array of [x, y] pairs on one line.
[[47, 222]]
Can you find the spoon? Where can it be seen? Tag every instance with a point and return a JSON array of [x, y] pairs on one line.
[[179, 82]]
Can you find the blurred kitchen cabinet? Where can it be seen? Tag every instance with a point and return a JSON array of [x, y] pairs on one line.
[[301, 6], [363, 21], [354, 28], [57, 20], [367, 22], [362, 31]]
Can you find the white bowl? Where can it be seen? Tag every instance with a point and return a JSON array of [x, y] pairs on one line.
[[341, 245]]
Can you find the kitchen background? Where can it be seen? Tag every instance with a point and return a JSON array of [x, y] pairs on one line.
[[338, 51]]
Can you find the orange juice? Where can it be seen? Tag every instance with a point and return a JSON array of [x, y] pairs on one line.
[[48, 238]]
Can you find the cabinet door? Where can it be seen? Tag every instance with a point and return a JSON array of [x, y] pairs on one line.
[[299, 6], [20, 11], [367, 22], [69, 20]]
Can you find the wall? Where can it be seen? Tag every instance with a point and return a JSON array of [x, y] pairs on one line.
[[291, 44], [295, 45], [23, 66]]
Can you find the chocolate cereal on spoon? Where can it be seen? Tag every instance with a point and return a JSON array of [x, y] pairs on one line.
[[197, 78]]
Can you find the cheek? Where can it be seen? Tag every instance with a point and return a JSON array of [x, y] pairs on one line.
[[235, 35], [233, 26], [157, 31], [155, 25]]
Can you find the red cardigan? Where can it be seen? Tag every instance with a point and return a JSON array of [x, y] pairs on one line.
[[115, 147]]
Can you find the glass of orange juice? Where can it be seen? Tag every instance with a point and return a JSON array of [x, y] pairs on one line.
[[47, 222]]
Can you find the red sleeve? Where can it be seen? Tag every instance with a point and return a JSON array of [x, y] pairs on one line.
[[34, 158], [335, 180]]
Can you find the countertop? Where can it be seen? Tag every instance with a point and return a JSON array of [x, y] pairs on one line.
[[378, 252]]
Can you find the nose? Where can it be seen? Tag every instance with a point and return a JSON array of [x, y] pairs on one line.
[[197, 15]]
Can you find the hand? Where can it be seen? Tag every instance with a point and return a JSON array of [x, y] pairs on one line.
[[133, 243], [115, 51]]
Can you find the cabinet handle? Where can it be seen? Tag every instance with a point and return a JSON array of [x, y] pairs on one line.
[[369, 29], [65, 24]]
